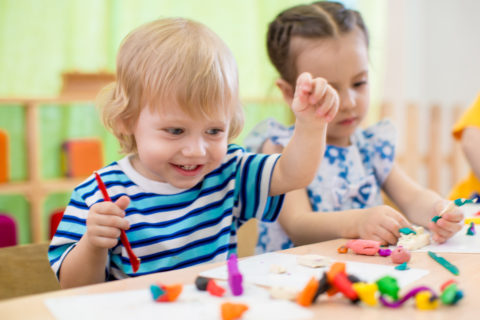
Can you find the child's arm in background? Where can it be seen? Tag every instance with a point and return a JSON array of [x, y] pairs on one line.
[[420, 205], [315, 103], [470, 139], [304, 226], [86, 263]]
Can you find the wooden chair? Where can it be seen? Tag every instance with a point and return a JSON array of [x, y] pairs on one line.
[[25, 270]]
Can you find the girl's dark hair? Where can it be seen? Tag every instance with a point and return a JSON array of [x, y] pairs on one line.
[[317, 20]]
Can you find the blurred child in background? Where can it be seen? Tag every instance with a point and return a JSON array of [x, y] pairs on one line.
[[331, 42], [467, 130]]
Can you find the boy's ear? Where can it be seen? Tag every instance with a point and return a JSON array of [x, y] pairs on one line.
[[124, 127], [286, 89]]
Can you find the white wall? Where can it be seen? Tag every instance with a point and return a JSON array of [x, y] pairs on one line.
[[432, 51], [432, 56]]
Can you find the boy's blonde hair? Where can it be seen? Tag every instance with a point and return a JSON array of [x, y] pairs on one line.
[[176, 60]]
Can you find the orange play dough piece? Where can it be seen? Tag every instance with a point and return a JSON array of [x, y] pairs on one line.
[[305, 297], [232, 311], [171, 292]]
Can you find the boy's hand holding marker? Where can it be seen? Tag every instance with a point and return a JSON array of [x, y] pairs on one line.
[[447, 219]]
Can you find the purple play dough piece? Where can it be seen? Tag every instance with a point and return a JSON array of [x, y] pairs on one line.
[[384, 252], [410, 294]]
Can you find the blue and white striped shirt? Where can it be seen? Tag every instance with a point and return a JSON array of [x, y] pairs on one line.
[[173, 228]]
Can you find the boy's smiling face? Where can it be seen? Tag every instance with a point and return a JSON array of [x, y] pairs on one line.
[[177, 148]]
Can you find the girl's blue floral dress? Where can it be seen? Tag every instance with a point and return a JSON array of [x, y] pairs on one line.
[[348, 177]]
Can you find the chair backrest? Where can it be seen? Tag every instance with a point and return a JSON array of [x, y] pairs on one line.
[[25, 270], [8, 230]]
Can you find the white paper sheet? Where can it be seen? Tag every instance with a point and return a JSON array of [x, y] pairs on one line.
[[256, 270], [460, 242], [191, 304]]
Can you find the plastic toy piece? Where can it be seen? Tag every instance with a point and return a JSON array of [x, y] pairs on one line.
[[163, 293], [447, 283], [402, 267], [353, 278], [471, 229], [388, 285], [366, 247], [344, 286], [426, 301], [406, 231], [313, 261], [444, 263], [411, 293], [323, 286], [201, 283], [366, 292], [134, 260], [414, 241], [449, 293], [384, 252], [334, 269], [474, 220], [173, 291], [235, 278], [214, 289], [400, 255], [283, 293], [460, 201], [156, 291], [232, 311], [305, 297]]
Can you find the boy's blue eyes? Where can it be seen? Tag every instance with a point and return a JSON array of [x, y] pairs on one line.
[[214, 131], [174, 131], [179, 131]]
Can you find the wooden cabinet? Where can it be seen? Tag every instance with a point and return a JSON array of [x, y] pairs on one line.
[[35, 188]]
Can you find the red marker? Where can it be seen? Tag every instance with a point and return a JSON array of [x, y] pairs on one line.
[[134, 260]]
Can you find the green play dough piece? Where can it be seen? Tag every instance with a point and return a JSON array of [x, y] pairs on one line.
[[388, 286], [449, 293], [406, 230]]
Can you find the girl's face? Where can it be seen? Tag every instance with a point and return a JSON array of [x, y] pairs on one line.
[[175, 148], [343, 62]]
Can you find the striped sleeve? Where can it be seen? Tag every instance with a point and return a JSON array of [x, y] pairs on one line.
[[69, 231], [253, 186]]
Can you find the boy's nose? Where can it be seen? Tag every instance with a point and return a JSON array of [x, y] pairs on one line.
[[195, 148]]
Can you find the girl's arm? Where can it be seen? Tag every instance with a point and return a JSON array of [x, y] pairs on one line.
[[315, 103], [304, 226], [420, 205], [470, 139]]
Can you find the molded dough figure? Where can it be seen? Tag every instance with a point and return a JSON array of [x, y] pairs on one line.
[[414, 241]]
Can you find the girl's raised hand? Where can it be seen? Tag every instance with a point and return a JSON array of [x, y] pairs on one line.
[[104, 221], [314, 99]]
